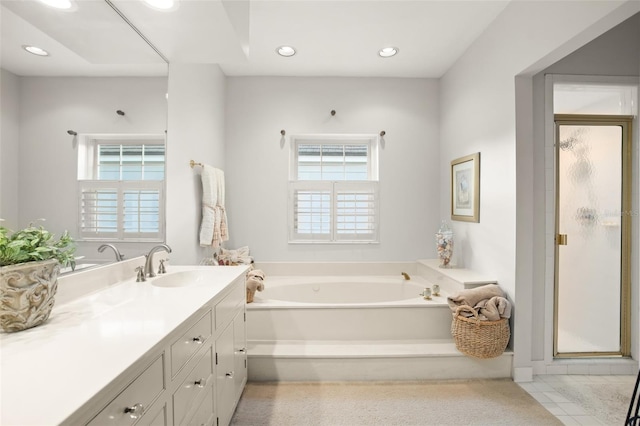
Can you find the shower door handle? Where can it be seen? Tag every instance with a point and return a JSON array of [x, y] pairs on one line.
[[561, 239]]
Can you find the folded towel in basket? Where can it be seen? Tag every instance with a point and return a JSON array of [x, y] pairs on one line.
[[493, 309], [472, 296]]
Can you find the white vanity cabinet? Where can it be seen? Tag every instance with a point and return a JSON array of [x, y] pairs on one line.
[[231, 374], [194, 376]]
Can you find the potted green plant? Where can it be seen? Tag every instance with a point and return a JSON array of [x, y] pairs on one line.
[[30, 260]]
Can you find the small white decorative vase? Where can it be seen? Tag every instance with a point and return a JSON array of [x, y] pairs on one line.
[[27, 293]]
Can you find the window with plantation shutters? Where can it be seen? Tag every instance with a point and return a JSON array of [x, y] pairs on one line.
[[121, 189], [333, 193]]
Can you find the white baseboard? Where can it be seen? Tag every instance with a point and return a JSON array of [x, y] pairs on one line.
[[523, 374]]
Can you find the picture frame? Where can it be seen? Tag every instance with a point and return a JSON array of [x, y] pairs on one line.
[[465, 188]]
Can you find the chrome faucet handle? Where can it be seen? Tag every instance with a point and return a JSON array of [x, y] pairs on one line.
[[162, 269], [140, 274]]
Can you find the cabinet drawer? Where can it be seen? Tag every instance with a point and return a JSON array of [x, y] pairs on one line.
[[226, 308], [196, 383], [131, 403], [188, 344], [204, 415]]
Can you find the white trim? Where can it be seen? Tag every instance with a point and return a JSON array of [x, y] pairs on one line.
[[87, 153], [122, 136], [523, 374]]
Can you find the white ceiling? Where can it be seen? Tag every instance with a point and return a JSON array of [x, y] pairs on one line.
[[333, 38]]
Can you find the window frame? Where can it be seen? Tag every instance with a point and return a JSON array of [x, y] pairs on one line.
[[335, 188], [87, 177], [336, 139]]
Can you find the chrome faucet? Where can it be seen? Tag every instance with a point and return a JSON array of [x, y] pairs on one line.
[[119, 256], [148, 264]]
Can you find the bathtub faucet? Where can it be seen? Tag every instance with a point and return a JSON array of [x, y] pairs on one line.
[[405, 276], [119, 256]]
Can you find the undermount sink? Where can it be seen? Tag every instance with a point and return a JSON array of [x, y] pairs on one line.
[[179, 279]]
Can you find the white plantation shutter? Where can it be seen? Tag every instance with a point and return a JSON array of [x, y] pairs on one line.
[[356, 211], [352, 208], [98, 210], [333, 196], [312, 207], [121, 210], [141, 212]]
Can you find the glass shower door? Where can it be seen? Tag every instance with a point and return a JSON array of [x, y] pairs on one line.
[[592, 235]]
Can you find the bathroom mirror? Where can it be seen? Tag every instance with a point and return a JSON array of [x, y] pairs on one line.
[[101, 77]]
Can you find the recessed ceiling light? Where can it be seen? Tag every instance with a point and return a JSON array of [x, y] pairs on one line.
[[58, 4], [286, 51], [35, 50], [388, 52], [166, 5]]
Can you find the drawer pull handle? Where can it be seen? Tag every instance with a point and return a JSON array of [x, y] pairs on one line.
[[198, 340], [200, 383], [242, 350], [230, 375], [135, 411]]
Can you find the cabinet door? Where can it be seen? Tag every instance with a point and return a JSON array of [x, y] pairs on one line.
[[204, 415], [240, 352], [192, 388], [225, 382]]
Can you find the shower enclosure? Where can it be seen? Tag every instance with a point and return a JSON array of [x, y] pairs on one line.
[[593, 235]]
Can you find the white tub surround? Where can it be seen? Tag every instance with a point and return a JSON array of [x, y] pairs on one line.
[[125, 343], [325, 327], [452, 278]]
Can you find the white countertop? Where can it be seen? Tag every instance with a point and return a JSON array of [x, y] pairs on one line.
[[50, 371]]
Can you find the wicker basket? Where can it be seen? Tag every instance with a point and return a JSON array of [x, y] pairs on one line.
[[479, 339]]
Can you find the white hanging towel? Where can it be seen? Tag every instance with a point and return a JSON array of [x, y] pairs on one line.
[[209, 202], [224, 230]]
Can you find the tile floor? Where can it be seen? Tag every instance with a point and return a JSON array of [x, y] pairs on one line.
[[567, 411]]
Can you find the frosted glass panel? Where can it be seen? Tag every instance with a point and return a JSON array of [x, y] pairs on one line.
[[581, 98], [589, 213]]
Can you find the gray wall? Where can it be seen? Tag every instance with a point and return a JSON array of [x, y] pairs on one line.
[[9, 143], [196, 132], [258, 165]]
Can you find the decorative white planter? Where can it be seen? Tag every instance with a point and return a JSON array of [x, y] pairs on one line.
[[27, 293]]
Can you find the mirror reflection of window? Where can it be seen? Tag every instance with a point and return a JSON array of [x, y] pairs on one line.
[[121, 191]]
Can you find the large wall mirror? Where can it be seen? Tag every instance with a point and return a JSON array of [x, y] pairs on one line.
[[101, 80]]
